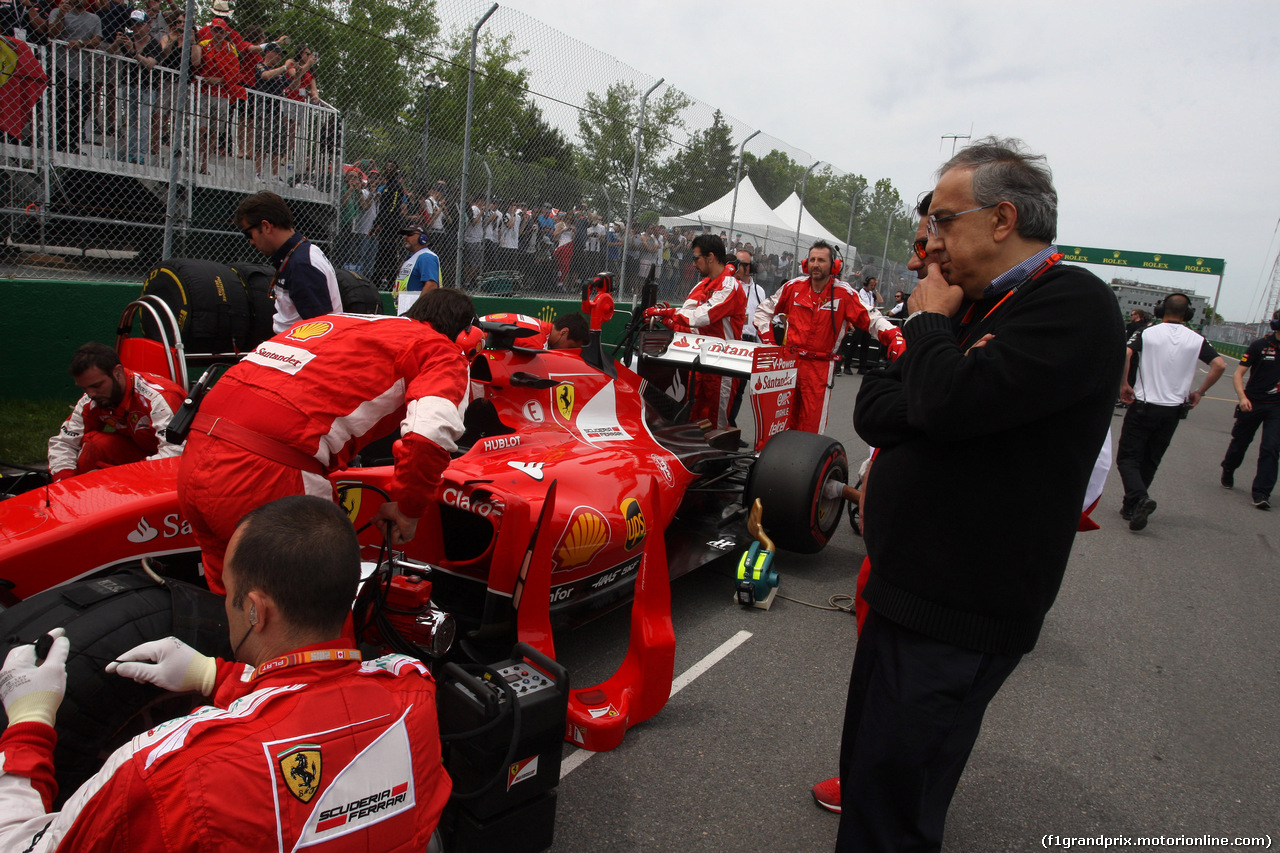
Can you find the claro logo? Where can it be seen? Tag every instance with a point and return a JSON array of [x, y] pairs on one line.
[[455, 497]]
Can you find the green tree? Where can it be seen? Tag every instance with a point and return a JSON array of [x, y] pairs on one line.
[[701, 171], [775, 175], [371, 50], [828, 197], [884, 206], [606, 127], [500, 108]]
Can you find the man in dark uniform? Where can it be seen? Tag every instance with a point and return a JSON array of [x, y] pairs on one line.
[[1259, 406]]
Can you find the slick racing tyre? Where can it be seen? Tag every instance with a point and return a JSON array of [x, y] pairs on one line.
[[789, 478], [104, 618]]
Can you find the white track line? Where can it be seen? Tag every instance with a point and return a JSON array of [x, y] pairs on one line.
[[579, 757]]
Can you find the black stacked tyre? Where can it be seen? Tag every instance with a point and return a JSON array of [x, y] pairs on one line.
[[209, 301]]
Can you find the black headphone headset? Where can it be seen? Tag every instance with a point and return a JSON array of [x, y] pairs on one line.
[[1159, 308], [1275, 322]]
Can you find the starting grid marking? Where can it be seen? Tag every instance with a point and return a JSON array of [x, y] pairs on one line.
[[579, 756]]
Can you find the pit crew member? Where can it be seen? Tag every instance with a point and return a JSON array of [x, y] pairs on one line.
[[304, 741], [121, 418], [717, 308], [420, 272], [819, 310], [304, 285], [302, 405]]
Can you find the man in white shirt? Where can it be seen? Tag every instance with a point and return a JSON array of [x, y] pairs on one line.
[[1159, 399], [509, 238], [473, 238]]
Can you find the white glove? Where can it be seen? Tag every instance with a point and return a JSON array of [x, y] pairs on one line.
[[33, 693], [168, 663]]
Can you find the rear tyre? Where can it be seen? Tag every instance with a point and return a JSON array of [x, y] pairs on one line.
[[789, 478]]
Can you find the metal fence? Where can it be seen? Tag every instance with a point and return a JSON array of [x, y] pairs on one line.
[[532, 161]]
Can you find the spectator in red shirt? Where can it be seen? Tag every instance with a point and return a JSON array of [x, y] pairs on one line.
[[220, 76]]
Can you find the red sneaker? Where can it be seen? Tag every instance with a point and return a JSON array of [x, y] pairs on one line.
[[827, 794]]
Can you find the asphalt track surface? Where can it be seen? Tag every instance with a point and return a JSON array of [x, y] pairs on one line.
[[1150, 707]]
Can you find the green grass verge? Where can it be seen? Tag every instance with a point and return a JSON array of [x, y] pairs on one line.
[[25, 427]]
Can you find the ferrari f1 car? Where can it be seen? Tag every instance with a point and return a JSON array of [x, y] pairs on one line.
[[578, 484]]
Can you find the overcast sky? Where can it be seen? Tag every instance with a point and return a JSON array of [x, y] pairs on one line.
[[1159, 120]]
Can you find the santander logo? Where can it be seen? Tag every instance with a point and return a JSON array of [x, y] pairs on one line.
[[144, 532]]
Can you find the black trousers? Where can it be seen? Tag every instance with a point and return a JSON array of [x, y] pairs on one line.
[[1267, 416], [914, 710], [1144, 438]]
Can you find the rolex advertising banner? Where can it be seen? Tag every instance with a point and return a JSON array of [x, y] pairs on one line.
[[1142, 260]]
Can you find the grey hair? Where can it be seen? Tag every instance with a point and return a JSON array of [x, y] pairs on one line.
[[1003, 170]]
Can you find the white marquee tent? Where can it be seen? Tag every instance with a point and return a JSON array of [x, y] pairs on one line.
[[787, 212], [753, 219]]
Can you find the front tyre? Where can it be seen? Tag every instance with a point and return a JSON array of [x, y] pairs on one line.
[[789, 478]]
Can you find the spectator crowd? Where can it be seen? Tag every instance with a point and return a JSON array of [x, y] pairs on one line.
[[114, 70]]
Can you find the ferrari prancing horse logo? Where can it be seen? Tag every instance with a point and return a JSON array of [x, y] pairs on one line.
[[564, 400], [300, 767]]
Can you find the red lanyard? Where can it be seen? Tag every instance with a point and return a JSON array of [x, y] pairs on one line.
[[272, 290], [298, 658], [1048, 264]]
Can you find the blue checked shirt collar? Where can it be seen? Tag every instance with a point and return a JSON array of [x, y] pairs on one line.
[[1006, 280]]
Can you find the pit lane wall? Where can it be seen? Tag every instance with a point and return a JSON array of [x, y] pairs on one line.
[[47, 320]]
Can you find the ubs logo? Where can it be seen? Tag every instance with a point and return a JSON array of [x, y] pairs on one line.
[[633, 517]]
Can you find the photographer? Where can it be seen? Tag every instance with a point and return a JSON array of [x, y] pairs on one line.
[[137, 82]]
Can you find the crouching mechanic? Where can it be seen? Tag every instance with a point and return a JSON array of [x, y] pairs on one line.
[[121, 418], [717, 308], [303, 743], [819, 308], [302, 405]]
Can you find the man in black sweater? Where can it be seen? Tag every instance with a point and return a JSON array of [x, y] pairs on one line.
[[988, 428]]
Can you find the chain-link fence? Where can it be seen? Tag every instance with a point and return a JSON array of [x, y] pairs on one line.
[[131, 133]]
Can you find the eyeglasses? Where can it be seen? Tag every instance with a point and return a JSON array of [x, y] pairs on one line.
[[248, 232], [935, 221], [919, 248]]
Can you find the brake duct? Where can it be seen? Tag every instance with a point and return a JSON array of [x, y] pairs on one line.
[[600, 715]]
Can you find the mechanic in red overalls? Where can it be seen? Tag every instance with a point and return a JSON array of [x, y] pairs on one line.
[[304, 402], [318, 748], [819, 308], [717, 308], [121, 418]]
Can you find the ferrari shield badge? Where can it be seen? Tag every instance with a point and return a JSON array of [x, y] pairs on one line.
[[349, 498], [564, 400], [300, 767]]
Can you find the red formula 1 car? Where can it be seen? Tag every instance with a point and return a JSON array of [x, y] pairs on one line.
[[577, 485]]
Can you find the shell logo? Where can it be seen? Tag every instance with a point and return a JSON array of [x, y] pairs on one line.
[[307, 331], [584, 537]]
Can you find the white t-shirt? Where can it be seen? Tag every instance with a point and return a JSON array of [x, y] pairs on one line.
[[364, 220], [474, 232], [509, 233], [1168, 364]]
